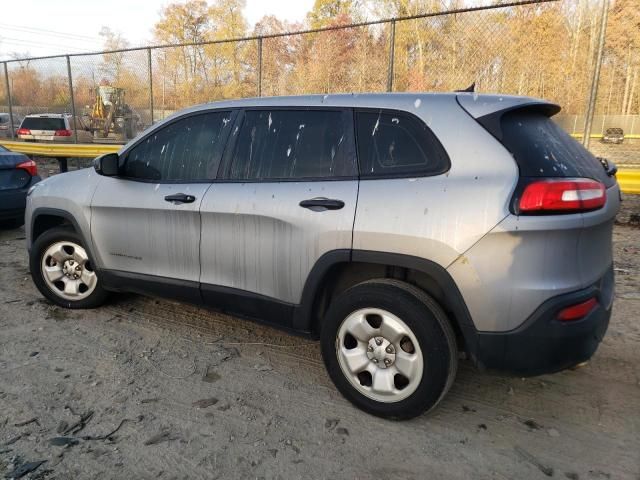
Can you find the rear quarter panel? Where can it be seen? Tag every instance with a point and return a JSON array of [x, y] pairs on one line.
[[526, 260], [438, 217]]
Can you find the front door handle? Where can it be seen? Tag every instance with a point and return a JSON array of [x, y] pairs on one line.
[[319, 204], [180, 198]]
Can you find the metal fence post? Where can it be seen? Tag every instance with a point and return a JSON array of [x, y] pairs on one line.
[[392, 47], [73, 103], [6, 80], [150, 85], [259, 66], [595, 79]]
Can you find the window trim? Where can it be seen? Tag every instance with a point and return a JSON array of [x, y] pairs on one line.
[[232, 145], [404, 113], [124, 156]]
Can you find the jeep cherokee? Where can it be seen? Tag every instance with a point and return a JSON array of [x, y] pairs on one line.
[[399, 229]]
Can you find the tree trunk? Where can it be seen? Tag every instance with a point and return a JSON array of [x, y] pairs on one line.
[[632, 92]]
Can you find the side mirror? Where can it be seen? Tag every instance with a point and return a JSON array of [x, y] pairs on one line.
[[107, 164]]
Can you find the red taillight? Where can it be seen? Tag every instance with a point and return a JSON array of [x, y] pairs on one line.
[[562, 196], [24, 131], [30, 166], [62, 133], [577, 311]]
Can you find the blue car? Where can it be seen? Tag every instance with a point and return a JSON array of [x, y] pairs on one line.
[[17, 174]]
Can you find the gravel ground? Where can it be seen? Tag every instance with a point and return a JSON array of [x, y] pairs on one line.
[[205, 395]]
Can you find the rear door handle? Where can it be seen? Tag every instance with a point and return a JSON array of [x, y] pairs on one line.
[[180, 198], [319, 204]]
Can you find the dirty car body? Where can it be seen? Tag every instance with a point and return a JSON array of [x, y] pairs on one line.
[[276, 208]]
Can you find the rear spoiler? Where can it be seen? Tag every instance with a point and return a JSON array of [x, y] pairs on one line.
[[487, 110]]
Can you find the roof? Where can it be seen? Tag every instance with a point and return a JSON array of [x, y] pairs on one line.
[[47, 115]]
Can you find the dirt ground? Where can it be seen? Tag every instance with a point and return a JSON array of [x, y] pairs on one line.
[[205, 395]]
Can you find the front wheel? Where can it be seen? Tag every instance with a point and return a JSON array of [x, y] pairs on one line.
[[389, 348], [63, 272]]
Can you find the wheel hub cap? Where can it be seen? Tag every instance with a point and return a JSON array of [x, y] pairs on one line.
[[381, 352], [72, 269], [379, 355], [66, 270]]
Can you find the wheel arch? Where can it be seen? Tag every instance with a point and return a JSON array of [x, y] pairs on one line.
[[338, 270], [45, 218]]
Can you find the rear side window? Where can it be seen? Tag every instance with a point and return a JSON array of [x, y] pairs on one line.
[[186, 150], [542, 149], [396, 144], [292, 144], [43, 123]]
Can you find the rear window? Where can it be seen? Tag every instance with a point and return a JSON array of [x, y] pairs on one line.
[[396, 144], [542, 149], [43, 123], [4, 118]]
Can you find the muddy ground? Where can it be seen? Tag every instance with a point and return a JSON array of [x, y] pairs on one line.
[[205, 395]]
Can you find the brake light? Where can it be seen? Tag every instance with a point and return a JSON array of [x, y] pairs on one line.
[[24, 131], [30, 166], [577, 311], [62, 133], [562, 196]]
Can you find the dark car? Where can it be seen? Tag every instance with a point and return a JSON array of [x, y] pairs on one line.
[[17, 174], [613, 135]]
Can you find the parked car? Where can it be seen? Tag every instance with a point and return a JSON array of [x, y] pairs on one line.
[[53, 127], [613, 135], [361, 220], [17, 174], [5, 125]]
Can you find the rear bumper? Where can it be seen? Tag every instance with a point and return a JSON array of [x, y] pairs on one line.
[[543, 344]]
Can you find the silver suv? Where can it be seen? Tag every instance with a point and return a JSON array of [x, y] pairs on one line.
[[399, 229]]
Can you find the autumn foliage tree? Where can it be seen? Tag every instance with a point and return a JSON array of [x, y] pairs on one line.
[[544, 50]]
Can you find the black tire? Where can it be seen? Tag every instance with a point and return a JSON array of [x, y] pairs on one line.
[[428, 323], [38, 249]]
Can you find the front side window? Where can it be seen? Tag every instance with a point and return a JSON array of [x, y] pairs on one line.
[[291, 144], [188, 149], [392, 144]]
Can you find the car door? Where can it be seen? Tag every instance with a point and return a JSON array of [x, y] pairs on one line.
[[145, 223], [288, 196]]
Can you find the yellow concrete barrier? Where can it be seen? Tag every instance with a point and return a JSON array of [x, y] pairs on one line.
[[629, 180], [73, 150], [627, 136]]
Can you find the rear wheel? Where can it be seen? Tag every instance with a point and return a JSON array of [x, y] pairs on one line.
[[389, 348], [63, 272]]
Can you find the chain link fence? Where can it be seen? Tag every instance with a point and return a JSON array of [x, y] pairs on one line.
[[521, 48]]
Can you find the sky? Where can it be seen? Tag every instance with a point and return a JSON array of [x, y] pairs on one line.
[[45, 27]]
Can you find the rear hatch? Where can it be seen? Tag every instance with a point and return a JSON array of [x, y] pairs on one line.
[[43, 128], [565, 201], [12, 178]]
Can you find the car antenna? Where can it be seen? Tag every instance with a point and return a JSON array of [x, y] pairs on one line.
[[470, 88]]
